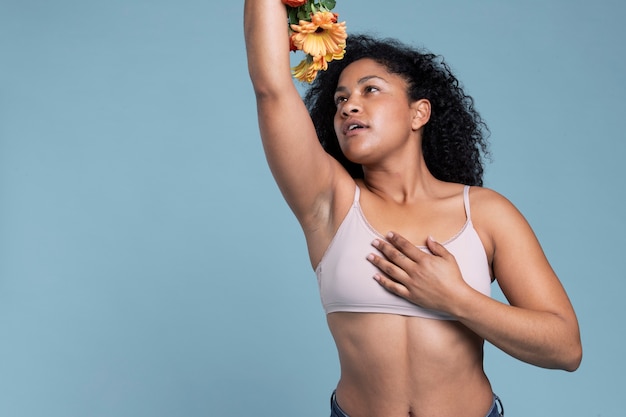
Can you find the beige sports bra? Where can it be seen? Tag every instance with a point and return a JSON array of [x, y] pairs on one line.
[[345, 276]]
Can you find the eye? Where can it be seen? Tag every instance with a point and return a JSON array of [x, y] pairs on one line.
[[340, 99], [371, 89]]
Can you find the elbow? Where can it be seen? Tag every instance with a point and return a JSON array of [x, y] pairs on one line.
[[565, 354], [575, 351], [263, 93], [574, 358], [571, 349], [270, 82], [266, 89], [569, 357], [566, 360]]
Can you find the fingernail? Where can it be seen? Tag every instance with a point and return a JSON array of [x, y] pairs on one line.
[[390, 235], [376, 243], [370, 257]]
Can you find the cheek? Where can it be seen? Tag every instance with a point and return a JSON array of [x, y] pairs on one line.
[[337, 124]]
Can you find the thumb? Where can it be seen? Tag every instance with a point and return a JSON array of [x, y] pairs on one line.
[[436, 248]]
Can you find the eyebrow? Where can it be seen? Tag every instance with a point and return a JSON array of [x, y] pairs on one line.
[[361, 81]]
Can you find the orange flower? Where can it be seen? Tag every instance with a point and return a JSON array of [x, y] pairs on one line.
[[337, 54], [321, 36], [294, 3], [308, 68]]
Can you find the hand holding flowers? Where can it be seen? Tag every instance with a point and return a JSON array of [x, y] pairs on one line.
[[314, 30]]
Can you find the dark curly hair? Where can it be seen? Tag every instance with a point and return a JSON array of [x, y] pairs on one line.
[[454, 140]]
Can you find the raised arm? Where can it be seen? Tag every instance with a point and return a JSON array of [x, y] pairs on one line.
[[305, 173]]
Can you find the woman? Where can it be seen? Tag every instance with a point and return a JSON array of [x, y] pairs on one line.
[[402, 145]]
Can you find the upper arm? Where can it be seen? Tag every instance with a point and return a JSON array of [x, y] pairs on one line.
[[306, 175], [519, 263]]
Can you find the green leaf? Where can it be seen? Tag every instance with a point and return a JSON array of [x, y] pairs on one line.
[[328, 4], [293, 15], [304, 12]]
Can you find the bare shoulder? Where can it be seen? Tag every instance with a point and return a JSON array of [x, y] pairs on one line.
[[513, 248], [497, 220], [491, 209]]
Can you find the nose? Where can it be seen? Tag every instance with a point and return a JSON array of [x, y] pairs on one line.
[[351, 106]]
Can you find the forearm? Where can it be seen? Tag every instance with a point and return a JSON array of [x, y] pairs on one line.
[[267, 45], [541, 338], [539, 327]]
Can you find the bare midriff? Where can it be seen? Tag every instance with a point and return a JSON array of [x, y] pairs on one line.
[[399, 366]]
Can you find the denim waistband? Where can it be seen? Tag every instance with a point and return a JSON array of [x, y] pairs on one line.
[[335, 410], [496, 410]]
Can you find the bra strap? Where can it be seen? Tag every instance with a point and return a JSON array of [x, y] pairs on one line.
[[357, 194], [466, 202]]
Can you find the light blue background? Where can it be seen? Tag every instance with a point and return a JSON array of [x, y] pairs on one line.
[[148, 264]]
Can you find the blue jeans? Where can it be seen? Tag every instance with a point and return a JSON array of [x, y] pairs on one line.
[[494, 411]]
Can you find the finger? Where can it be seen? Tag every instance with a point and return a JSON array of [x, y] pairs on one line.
[[388, 267], [436, 248], [392, 286], [405, 247], [393, 254]]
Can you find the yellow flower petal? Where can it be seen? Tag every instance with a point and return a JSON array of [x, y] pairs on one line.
[[321, 36], [308, 68]]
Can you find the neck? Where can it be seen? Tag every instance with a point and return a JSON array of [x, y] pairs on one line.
[[400, 183]]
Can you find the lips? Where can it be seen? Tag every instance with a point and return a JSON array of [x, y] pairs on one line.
[[352, 125]]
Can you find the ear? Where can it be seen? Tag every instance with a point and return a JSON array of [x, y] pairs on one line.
[[421, 113]]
